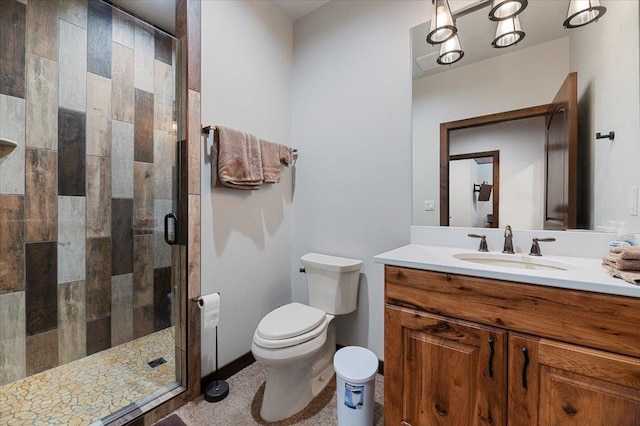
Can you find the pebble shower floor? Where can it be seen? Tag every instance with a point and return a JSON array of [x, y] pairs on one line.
[[84, 391]]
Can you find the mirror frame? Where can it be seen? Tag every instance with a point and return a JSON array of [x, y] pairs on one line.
[[483, 120]]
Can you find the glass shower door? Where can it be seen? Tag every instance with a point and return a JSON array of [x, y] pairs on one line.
[[88, 285]]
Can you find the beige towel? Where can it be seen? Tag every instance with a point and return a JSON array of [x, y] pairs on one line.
[[627, 253], [270, 161], [622, 264], [272, 155], [215, 179], [630, 277], [286, 155], [239, 159]]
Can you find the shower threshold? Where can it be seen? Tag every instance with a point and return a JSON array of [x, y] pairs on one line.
[[100, 386]]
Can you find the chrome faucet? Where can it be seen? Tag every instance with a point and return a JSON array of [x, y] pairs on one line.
[[508, 240]]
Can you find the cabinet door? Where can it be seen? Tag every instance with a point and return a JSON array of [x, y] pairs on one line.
[[441, 371], [553, 383]]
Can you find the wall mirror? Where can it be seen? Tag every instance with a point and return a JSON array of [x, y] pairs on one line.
[[605, 56]]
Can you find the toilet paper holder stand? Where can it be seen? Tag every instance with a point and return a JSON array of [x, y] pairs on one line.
[[218, 389]]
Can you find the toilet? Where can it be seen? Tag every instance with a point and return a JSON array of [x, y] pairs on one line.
[[297, 342]]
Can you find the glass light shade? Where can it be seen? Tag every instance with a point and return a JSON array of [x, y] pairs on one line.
[[508, 33], [582, 12], [450, 51], [505, 9], [442, 26]]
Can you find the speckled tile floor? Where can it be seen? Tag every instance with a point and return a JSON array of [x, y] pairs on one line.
[[89, 389], [242, 406]]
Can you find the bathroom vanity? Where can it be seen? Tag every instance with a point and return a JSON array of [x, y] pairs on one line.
[[471, 343]]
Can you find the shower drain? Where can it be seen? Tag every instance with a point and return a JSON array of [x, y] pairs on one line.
[[156, 362]]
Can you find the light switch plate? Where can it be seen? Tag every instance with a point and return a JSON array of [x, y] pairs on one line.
[[429, 205]]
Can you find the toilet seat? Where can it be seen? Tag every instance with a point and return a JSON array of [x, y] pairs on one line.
[[290, 325]]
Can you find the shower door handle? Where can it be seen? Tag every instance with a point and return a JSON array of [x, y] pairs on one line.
[[174, 219]]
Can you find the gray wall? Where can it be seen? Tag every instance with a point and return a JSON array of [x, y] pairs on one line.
[[352, 124]]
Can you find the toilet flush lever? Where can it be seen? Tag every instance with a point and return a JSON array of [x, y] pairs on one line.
[[302, 271]]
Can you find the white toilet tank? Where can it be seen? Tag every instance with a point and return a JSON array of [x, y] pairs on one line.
[[332, 282]]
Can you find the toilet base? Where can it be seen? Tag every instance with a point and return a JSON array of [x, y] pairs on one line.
[[289, 390], [319, 382]]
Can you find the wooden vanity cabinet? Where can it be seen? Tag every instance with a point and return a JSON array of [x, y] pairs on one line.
[[554, 383], [472, 351], [452, 372]]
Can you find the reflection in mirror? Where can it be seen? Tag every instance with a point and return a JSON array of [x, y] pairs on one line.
[[474, 198], [521, 168], [605, 55]]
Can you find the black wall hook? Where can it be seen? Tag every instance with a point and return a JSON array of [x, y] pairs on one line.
[[609, 136]]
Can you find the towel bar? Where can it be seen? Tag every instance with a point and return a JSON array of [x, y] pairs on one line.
[[209, 127], [611, 135]]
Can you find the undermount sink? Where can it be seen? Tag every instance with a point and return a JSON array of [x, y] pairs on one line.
[[518, 261]]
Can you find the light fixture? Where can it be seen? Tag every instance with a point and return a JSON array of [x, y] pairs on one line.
[[504, 9], [442, 27], [508, 33], [450, 51], [505, 13], [6, 146], [582, 12]]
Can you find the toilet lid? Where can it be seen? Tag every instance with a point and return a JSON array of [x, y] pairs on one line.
[[289, 320]]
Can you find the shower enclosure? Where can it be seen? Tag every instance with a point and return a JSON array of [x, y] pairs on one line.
[[88, 273]]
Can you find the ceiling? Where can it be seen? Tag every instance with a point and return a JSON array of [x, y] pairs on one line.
[[295, 9], [161, 13]]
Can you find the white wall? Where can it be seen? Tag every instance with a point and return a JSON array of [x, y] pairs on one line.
[[352, 126], [246, 235], [522, 165], [504, 83], [461, 193], [605, 85]]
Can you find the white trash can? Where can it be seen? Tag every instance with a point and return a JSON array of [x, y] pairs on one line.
[[356, 370]]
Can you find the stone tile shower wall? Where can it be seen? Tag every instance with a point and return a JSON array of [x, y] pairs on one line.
[[87, 93]]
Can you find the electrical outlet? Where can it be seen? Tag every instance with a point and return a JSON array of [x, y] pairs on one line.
[[633, 201], [429, 205]]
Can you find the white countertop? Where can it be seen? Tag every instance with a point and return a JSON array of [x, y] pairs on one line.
[[588, 274]]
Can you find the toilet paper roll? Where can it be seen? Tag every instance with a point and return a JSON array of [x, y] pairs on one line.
[[210, 305]]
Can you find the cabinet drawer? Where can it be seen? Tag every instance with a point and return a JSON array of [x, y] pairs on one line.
[[590, 319]]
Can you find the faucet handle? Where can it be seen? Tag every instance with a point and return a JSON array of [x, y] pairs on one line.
[[483, 241], [535, 247]]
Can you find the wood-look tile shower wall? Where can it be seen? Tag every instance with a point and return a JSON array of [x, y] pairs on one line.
[[87, 93]]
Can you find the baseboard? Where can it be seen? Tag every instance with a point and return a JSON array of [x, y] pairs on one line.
[[243, 362], [228, 370]]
